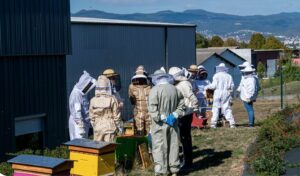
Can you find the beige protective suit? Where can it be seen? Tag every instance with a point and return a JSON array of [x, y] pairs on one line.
[[138, 92], [104, 112], [165, 99], [138, 95]]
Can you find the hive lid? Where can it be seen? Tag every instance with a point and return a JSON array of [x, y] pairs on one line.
[[39, 161], [88, 143]]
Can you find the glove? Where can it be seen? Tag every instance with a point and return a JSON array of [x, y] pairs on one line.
[[170, 120], [121, 130], [248, 100]]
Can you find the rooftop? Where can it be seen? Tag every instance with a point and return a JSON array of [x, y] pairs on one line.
[[126, 22]]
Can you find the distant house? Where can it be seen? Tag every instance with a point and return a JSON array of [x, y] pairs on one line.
[[226, 55], [269, 58], [296, 61], [211, 59], [244, 53]]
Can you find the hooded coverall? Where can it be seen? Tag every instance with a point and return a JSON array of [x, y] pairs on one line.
[[79, 123], [138, 95], [165, 99], [223, 86], [104, 115]]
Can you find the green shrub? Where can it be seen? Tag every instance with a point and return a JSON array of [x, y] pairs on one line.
[[276, 136]]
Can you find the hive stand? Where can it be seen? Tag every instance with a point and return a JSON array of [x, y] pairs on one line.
[[32, 165], [92, 158]]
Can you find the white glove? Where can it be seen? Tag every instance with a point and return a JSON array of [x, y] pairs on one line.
[[248, 100]]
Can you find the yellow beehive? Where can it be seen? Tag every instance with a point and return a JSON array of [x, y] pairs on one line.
[[92, 158]]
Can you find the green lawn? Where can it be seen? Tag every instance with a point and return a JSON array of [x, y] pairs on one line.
[[220, 151]]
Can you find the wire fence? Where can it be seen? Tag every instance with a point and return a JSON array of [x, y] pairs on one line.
[[283, 88]]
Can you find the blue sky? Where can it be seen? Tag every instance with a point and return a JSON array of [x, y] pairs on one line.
[[237, 7]]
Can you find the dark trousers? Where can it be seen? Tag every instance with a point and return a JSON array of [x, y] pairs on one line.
[[185, 137]]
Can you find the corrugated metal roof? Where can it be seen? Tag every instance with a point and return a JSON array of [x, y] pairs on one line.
[[203, 56], [126, 22], [212, 50]]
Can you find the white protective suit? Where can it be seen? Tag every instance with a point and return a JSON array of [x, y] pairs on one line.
[[248, 86], [79, 123], [164, 100], [222, 85]]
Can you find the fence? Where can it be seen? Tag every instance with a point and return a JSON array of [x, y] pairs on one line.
[[283, 88]]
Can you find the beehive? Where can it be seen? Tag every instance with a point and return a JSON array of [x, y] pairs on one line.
[[92, 158], [32, 165]]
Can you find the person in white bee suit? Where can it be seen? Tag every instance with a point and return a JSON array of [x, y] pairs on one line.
[[79, 123], [248, 92], [243, 66], [165, 106], [185, 122], [222, 85]]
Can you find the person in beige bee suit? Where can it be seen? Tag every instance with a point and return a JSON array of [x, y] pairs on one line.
[[191, 106], [115, 81], [104, 112], [138, 94]]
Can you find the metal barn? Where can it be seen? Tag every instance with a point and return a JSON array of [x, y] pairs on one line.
[[98, 44], [34, 39]]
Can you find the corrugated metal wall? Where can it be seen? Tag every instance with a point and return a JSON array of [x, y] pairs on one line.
[[181, 46], [32, 85], [121, 47], [34, 27]]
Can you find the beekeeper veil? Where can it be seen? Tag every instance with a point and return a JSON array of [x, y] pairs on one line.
[[161, 77], [86, 83]]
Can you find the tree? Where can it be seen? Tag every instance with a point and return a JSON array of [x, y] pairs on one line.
[[201, 41], [231, 42], [243, 44], [261, 69], [216, 41], [273, 43], [257, 41]]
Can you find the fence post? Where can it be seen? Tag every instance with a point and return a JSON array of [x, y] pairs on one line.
[[281, 87]]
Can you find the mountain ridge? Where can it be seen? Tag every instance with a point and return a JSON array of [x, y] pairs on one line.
[[210, 23]]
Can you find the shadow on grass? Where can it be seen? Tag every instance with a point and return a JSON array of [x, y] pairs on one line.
[[211, 159]]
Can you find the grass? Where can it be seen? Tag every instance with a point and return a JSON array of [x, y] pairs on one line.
[[222, 151], [288, 88]]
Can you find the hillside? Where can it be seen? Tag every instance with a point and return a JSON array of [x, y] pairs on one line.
[[209, 23]]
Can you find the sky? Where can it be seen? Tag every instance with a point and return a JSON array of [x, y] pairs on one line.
[[235, 7]]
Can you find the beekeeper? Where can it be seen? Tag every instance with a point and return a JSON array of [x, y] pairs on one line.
[[79, 123], [248, 92], [200, 82], [138, 92], [104, 112], [116, 84], [191, 106], [222, 85], [166, 105]]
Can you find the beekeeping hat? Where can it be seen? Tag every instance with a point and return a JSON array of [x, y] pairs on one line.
[[221, 68], [161, 77], [193, 68], [109, 73], [103, 85], [248, 69], [86, 83], [177, 73]]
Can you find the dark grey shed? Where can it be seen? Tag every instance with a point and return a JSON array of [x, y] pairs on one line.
[[98, 44], [34, 39]]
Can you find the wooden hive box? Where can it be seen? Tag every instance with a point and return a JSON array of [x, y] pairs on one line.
[[33, 165], [92, 158]]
